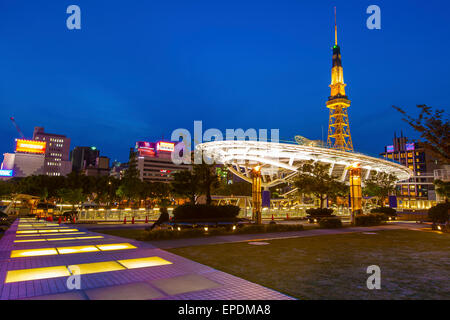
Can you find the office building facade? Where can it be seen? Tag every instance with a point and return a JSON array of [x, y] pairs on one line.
[[57, 151], [154, 161], [83, 157], [418, 192]]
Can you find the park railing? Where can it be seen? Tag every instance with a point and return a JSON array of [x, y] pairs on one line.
[[111, 215], [140, 215]]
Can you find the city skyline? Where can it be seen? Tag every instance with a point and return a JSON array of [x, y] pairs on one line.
[[140, 72]]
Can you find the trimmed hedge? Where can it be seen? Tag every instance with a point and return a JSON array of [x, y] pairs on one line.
[[165, 234], [203, 211], [371, 219], [319, 212], [439, 213], [330, 223], [390, 212]]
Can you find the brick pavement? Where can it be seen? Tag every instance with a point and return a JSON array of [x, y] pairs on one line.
[[181, 279]]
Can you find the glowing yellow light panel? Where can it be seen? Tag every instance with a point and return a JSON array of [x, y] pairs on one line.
[[77, 249], [97, 267], [48, 231], [30, 240], [45, 231], [36, 274], [61, 239], [33, 252], [115, 246], [143, 262], [58, 239], [90, 237], [48, 235]]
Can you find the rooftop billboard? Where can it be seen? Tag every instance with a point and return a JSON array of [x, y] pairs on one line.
[[30, 146]]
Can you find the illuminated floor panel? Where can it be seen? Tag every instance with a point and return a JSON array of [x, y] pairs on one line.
[[30, 240], [48, 231], [61, 239], [90, 237], [47, 235], [45, 231], [36, 274], [97, 267], [33, 252], [115, 246], [74, 238], [143, 262], [77, 249], [70, 250], [84, 268], [58, 239]]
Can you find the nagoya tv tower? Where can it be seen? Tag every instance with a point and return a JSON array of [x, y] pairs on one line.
[[338, 126]]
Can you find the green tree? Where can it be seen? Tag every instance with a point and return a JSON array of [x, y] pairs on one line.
[[186, 184], [131, 185], [442, 188], [207, 178], [6, 188], [132, 171], [314, 179], [434, 129], [72, 196], [381, 186], [161, 191], [104, 189], [233, 189]]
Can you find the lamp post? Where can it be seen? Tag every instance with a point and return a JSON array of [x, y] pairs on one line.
[[256, 194], [355, 190]]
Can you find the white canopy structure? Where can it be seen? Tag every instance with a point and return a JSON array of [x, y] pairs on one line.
[[281, 161]]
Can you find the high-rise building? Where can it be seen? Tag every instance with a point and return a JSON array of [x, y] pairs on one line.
[[154, 161], [417, 192], [338, 125], [28, 159], [83, 157], [57, 162], [99, 169], [118, 169]]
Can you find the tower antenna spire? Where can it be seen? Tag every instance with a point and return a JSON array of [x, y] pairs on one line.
[[335, 27]]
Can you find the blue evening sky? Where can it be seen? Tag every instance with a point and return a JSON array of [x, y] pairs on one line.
[[137, 70]]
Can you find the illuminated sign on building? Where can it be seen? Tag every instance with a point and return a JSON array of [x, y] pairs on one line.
[[6, 173], [409, 146], [144, 145], [145, 148], [389, 148], [30, 146], [165, 146]]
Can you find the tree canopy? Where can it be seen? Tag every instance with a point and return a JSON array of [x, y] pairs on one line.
[[442, 188], [434, 129], [380, 186], [314, 179]]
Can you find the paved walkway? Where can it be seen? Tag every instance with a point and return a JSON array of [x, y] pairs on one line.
[[179, 243], [110, 267]]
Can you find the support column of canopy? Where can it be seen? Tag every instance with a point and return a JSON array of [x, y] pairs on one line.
[[355, 191], [256, 194]]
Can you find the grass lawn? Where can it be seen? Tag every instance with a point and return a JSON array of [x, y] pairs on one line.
[[414, 264]]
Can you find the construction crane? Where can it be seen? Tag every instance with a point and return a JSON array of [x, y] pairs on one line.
[[17, 127]]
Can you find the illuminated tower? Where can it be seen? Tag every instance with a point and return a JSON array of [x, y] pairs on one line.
[[338, 126]]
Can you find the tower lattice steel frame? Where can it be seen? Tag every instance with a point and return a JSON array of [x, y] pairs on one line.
[[338, 125]]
